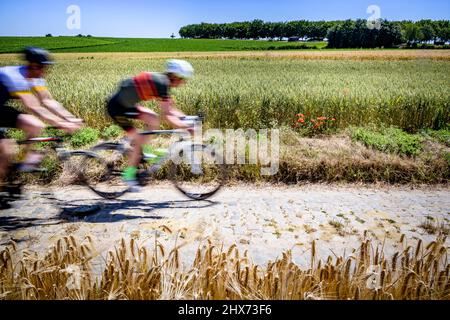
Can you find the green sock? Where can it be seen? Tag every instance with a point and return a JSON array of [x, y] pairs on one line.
[[130, 173]]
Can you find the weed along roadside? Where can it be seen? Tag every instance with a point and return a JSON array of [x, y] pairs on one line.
[[356, 154]]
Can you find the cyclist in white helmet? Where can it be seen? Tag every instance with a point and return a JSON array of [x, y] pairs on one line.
[[124, 105]]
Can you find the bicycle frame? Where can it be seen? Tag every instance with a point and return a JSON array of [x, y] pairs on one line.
[[122, 148], [180, 150], [183, 137]]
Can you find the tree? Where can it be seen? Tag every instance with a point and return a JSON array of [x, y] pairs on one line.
[[49, 35], [172, 36], [442, 30], [348, 33], [290, 29], [301, 28], [255, 28], [412, 33], [426, 33], [356, 34], [184, 32], [278, 30], [389, 35]]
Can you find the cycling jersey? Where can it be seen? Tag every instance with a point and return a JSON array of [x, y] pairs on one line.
[[13, 82], [146, 86]]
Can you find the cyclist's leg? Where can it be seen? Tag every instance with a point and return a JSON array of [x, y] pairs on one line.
[[121, 116], [151, 120], [6, 154], [33, 128], [12, 118]]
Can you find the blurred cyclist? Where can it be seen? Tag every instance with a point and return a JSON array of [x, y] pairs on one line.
[[26, 83], [123, 106]]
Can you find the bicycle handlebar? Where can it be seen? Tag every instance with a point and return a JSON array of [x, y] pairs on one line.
[[192, 118], [157, 132], [38, 140]]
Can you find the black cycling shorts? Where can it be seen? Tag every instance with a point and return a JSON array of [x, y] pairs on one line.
[[121, 114], [8, 117]]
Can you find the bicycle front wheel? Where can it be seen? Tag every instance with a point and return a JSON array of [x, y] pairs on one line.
[[197, 171], [102, 173]]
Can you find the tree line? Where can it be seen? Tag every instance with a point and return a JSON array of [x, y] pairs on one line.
[[340, 34]]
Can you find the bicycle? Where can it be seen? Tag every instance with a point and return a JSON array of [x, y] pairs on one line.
[[11, 189], [195, 169]]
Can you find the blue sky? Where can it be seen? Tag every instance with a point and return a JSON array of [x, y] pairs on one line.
[[159, 18]]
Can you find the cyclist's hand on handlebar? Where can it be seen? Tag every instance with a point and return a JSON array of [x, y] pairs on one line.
[[76, 121], [69, 127]]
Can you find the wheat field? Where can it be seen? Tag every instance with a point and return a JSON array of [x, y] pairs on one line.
[[419, 271], [404, 88]]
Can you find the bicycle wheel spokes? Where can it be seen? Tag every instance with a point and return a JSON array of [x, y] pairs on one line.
[[197, 171], [103, 173]]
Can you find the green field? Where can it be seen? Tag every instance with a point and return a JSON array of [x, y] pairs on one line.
[[257, 91], [85, 44]]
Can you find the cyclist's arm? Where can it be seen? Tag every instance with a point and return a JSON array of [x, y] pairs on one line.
[[171, 114], [54, 106], [32, 103]]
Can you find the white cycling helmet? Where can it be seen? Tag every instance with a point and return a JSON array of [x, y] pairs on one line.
[[180, 68]]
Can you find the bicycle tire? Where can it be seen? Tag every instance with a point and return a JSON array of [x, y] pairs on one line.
[[102, 171], [200, 185]]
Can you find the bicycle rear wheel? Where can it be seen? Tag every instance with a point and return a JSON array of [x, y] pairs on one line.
[[197, 171]]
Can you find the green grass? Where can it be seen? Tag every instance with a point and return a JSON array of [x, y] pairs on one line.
[[112, 131], [84, 137], [447, 157], [16, 44], [15, 134], [391, 140], [443, 135], [84, 44]]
